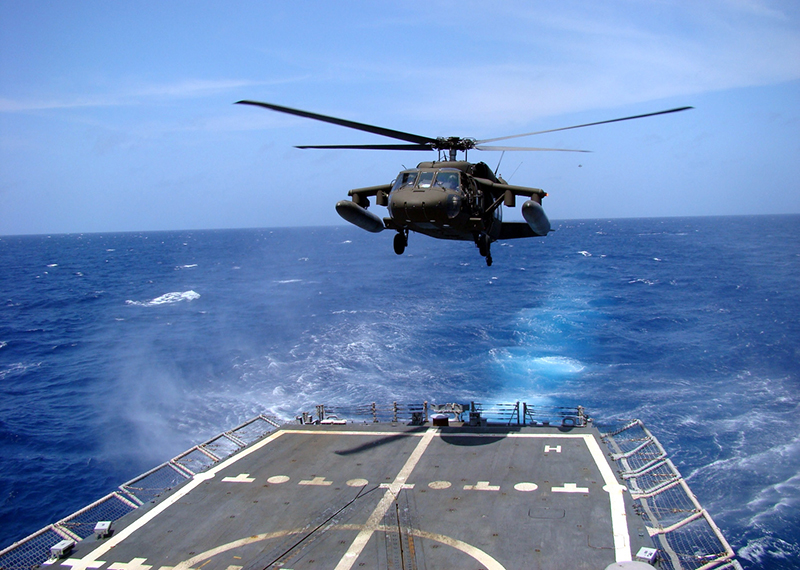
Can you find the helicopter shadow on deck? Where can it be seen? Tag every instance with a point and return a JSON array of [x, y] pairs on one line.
[[452, 436]]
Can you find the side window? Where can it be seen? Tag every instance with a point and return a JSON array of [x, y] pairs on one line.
[[405, 179]]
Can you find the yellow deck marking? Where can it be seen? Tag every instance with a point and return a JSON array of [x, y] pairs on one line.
[[487, 561]]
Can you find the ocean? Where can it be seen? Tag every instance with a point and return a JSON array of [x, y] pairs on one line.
[[118, 351]]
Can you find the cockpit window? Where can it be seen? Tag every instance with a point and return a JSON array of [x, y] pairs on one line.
[[446, 180], [405, 179], [425, 179]]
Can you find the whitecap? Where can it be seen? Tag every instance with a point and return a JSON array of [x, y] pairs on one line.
[[285, 281], [767, 546], [585, 253], [557, 365], [518, 363], [167, 299], [186, 266], [17, 368], [3, 344], [52, 265]]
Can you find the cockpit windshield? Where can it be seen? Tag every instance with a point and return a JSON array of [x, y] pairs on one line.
[[446, 180], [406, 179], [441, 179], [425, 179]]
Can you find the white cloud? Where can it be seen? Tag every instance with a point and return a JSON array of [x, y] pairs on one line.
[[528, 62], [134, 95]]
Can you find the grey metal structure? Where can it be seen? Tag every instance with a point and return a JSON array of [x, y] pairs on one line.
[[397, 487]]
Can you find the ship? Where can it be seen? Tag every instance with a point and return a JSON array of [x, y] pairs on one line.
[[398, 487]]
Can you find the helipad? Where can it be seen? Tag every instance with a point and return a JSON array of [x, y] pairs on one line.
[[379, 496]]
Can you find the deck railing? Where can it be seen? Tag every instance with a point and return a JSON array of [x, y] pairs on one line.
[[32, 551], [474, 413], [683, 530]]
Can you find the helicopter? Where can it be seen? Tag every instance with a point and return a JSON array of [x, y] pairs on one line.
[[446, 198]]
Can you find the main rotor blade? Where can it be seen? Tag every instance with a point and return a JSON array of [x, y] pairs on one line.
[[504, 148], [399, 135], [371, 146], [587, 125]]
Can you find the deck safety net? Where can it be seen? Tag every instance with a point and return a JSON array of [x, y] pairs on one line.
[[30, 552], [684, 532]]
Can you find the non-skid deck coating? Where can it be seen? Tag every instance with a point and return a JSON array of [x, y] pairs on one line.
[[394, 497]]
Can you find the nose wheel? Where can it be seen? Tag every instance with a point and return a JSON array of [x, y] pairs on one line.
[[400, 242]]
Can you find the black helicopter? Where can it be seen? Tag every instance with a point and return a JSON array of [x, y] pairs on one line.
[[447, 198]]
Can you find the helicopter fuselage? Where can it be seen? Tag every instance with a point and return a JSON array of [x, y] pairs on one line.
[[438, 200], [454, 200]]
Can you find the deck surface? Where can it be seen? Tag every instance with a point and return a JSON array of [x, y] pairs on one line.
[[390, 497]]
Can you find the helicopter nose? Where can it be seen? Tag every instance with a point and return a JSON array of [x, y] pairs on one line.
[[431, 206]]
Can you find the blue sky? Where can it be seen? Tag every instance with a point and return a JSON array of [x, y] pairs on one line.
[[119, 116]]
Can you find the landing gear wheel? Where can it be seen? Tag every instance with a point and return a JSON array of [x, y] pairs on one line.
[[482, 241], [484, 247], [400, 243]]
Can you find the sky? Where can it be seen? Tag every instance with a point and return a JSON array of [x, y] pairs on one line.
[[119, 116]]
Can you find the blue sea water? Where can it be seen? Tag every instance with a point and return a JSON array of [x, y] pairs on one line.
[[118, 351]]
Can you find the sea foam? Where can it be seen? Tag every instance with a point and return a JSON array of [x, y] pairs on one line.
[[167, 299]]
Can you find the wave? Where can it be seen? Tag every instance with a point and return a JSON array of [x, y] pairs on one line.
[[17, 368], [517, 362], [167, 299], [762, 549]]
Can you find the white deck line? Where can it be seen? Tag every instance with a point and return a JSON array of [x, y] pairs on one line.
[[376, 518], [91, 559], [619, 520]]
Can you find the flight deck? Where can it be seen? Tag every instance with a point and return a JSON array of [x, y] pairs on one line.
[[438, 493]]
